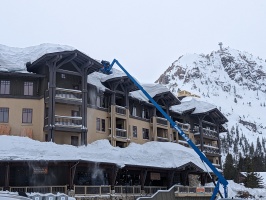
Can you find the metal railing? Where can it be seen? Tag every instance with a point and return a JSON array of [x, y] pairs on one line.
[[128, 189], [68, 121], [73, 95], [120, 110], [40, 189], [187, 189], [121, 133], [92, 190], [153, 189]]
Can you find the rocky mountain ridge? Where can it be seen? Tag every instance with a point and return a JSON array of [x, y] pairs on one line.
[[232, 80]]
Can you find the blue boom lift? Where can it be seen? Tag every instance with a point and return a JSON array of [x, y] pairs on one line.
[[107, 69]]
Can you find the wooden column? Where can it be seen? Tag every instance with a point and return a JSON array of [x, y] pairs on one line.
[[7, 177], [201, 133], [143, 175], [219, 144], [170, 178], [112, 177], [51, 103], [84, 130]]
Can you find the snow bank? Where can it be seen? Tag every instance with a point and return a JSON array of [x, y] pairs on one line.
[[153, 154]]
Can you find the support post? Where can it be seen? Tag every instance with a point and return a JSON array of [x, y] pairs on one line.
[[7, 177]]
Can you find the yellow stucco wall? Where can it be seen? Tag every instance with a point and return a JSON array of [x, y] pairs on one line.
[[15, 115]]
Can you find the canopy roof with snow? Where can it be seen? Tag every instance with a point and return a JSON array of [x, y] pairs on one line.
[[157, 92], [150, 154], [195, 107]]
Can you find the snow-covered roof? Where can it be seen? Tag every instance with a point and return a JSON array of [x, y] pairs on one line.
[[190, 103], [153, 154], [153, 89], [15, 59], [97, 78]]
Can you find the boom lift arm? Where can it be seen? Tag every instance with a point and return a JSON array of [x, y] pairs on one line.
[[108, 70]]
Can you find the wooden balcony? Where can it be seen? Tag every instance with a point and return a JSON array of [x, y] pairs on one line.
[[183, 126], [207, 133]]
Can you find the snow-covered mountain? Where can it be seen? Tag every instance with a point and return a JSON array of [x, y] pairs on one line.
[[232, 80]]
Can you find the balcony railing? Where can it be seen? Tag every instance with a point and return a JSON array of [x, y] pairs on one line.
[[72, 95], [120, 110], [211, 150], [206, 132], [161, 121], [183, 126], [68, 121], [128, 189], [121, 133]]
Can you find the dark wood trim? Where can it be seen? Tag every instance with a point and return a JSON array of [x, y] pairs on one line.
[[63, 71]]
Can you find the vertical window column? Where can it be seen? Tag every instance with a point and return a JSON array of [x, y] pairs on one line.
[[4, 115], [5, 87], [26, 115], [28, 88]]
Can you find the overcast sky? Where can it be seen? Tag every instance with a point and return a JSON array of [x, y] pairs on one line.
[[146, 36]]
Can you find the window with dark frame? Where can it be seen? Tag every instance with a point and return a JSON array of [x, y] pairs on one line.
[[5, 87], [103, 125], [28, 88], [26, 115], [145, 133], [4, 115], [135, 131], [74, 140]]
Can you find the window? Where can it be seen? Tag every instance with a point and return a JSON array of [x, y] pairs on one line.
[[28, 88], [100, 124], [145, 133], [98, 101], [134, 111], [4, 115], [98, 121], [103, 125], [5, 87], [26, 115], [135, 131], [74, 140]]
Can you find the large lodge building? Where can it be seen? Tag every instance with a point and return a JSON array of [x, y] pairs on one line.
[[63, 98]]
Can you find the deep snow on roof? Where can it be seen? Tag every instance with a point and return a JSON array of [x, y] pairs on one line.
[[97, 78], [153, 89], [152, 154], [189, 103], [15, 59]]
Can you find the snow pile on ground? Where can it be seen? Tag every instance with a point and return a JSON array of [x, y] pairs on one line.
[[154, 154], [5, 195], [15, 59], [234, 188]]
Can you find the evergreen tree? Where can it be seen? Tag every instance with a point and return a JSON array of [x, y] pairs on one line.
[[229, 169], [253, 180]]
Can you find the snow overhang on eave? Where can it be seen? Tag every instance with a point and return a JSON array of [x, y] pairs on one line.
[[21, 74]]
